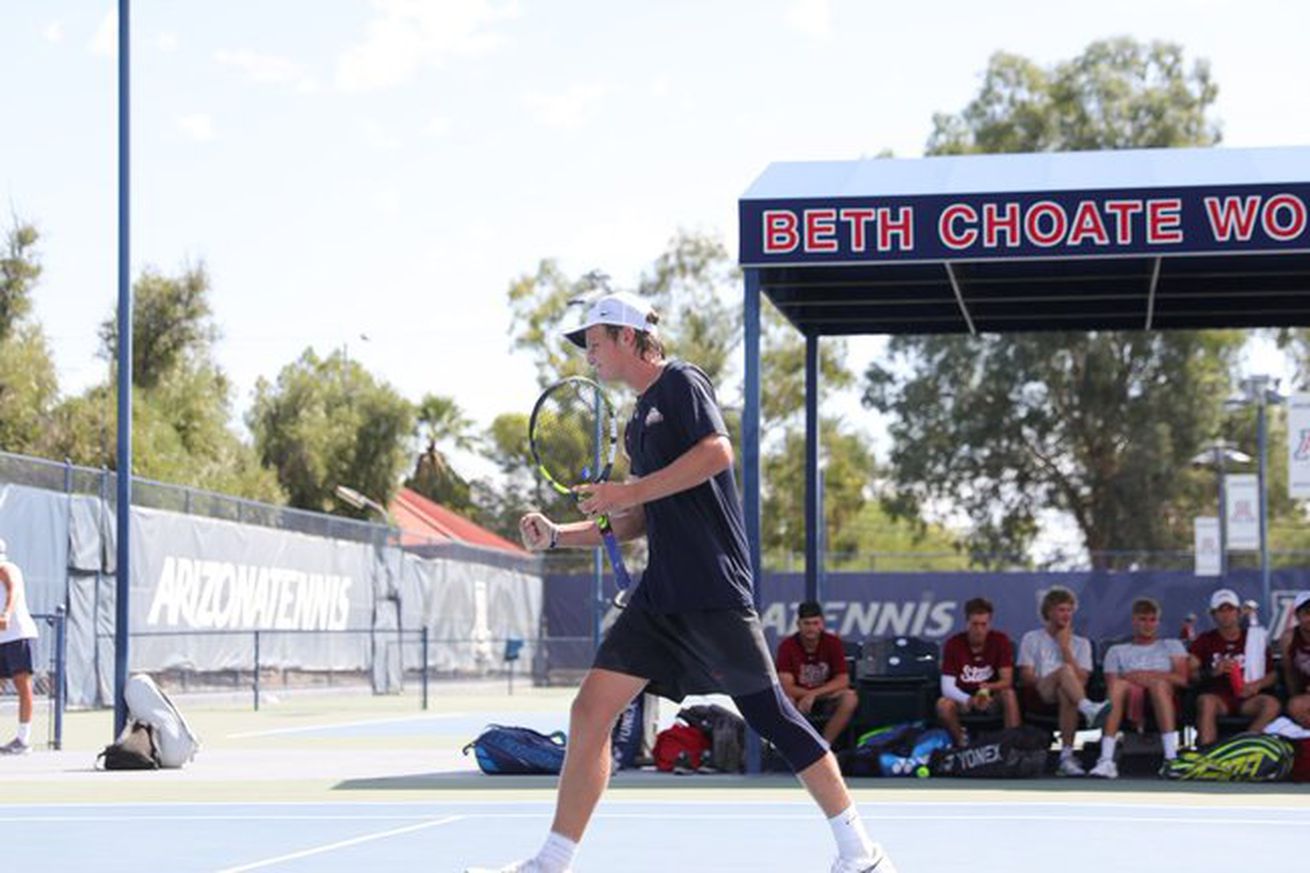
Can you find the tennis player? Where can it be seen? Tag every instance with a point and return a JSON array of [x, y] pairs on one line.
[[691, 626], [17, 633]]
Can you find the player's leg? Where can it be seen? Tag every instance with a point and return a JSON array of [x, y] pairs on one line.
[[1263, 708], [1166, 716], [603, 696], [1298, 709], [1119, 690], [844, 703], [1050, 688], [948, 713], [1010, 707], [1208, 709]]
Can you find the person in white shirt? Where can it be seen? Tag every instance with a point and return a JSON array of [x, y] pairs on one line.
[[1147, 668], [1055, 663], [17, 631]]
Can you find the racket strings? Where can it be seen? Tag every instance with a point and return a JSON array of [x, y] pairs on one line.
[[573, 434]]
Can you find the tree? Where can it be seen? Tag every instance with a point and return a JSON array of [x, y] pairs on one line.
[[441, 421], [1101, 425], [28, 384], [692, 284], [328, 422], [181, 398], [172, 325]]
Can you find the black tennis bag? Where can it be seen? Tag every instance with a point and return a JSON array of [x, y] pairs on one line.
[[135, 749], [726, 731], [1012, 753]]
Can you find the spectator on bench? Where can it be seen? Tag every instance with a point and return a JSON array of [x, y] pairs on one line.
[[977, 672], [1056, 663], [1147, 667], [1296, 661], [1219, 655], [812, 671]]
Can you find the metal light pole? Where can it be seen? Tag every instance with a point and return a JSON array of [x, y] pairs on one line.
[[1218, 454], [1260, 391]]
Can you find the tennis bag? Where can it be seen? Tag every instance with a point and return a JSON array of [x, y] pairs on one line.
[[681, 746], [1245, 757], [502, 751], [727, 733], [628, 733], [896, 750], [177, 743], [1012, 753], [134, 749]]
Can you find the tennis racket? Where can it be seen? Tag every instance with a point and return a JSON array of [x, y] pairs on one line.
[[574, 437]]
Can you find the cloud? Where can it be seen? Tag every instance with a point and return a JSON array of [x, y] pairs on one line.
[[407, 35], [268, 69], [811, 17], [378, 137], [197, 125], [568, 110], [105, 42], [54, 31]]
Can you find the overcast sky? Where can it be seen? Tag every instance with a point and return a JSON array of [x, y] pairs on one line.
[[386, 167]]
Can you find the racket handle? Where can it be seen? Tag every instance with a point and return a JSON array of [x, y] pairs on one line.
[[611, 542]]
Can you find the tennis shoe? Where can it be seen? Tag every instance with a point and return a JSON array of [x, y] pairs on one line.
[[528, 866], [1070, 767], [15, 747], [1106, 768], [878, 862]]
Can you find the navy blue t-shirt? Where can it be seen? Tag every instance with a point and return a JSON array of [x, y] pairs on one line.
[[696, 538]]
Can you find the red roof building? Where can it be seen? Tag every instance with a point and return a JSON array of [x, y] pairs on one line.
[[423, 522]]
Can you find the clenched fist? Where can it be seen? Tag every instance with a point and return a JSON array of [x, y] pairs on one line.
[[538, 532]]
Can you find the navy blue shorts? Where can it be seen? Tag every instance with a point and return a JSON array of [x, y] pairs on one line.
[[704, 652], [15, 658]]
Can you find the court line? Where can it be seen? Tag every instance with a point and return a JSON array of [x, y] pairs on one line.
[[647, 816], [331, 847], [345, 724]]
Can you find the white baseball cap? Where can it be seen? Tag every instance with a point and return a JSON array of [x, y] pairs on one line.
[[1225, 596], [1301, 600], [618, 308]]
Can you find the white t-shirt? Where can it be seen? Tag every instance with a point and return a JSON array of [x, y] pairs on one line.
[[1039, 650], [1130, 657], [21, 626]]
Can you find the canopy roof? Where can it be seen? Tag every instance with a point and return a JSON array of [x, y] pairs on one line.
[[1155, 238]]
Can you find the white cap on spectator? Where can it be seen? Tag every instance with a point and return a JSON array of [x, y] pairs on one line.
[[620, 309], [1301, 600], [1225, 596]]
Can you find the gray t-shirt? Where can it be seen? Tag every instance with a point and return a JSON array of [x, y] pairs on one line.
[[1039, 650], [1129, 657]]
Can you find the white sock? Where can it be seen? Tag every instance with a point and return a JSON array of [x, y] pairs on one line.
[[25, 731], [1170, 741], [1107, 748], [1087, 708], [852, 839], [556, 853], [1066, 752]]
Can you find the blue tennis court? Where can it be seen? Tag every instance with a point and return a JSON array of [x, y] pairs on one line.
[[684, 832]]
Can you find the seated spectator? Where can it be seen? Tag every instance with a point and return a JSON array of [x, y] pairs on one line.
[[1219, 657], [1056, 663], [812, 671], [1148, 668], [977, 672], [1295, 645]]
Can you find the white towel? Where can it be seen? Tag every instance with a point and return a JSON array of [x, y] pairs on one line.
[[1257, 642]]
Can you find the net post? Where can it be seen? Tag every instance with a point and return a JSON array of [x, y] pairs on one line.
[[423, 668], [61, 662], [256, 682]]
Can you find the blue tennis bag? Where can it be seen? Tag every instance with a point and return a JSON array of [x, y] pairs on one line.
[[502, 750]]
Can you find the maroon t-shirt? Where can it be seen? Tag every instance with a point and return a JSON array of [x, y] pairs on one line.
[[812, 669], [1210, 647], [971, 668], [1299, 652]]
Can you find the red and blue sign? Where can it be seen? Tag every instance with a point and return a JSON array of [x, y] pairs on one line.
[[844, 230]]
